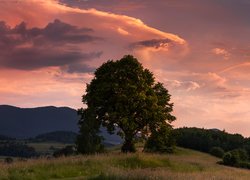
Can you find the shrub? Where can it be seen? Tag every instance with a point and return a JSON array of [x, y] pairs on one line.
[[244, 165], [217, 151], [160, 141], [8, 160], [235, 157], [66, 151], [231, 159]]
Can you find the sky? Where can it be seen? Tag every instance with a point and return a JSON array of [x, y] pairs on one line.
[[199, 50]]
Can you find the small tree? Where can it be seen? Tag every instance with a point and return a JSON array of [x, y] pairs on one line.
[[217, 151], [235, 157], [161, 140], [88, 141], [123, 94]]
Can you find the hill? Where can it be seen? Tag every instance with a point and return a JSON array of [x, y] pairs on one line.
[[25, 123], [57, 136], [30, 122], [185, 164]]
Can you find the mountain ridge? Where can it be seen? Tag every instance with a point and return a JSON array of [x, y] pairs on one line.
[[25, 123], [29, 122]]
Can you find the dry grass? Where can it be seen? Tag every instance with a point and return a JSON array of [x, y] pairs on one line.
[[186, 164]]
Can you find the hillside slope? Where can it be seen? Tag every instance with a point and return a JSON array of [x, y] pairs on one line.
[[186, 164]]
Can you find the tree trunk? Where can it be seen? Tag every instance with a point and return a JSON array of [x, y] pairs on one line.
[[128, 145]]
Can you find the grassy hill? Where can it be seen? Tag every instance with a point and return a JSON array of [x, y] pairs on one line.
[[185, 164]]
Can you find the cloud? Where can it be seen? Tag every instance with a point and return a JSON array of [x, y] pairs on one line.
[[221, 52], [54, 32], [238, 66], [106, 21], [238, 73], [28, 49], [153, 43], [185, 85], [76, 33], [120, 6]]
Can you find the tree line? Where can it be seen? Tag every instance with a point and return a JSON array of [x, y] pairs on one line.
[[234, 149]]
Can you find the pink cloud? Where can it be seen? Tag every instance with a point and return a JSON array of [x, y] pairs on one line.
[[207, 90]]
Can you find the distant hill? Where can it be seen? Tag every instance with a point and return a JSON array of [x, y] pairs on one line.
[[57, 136], [30, 122]]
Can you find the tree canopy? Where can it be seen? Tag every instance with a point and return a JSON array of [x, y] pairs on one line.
[[124, 96]]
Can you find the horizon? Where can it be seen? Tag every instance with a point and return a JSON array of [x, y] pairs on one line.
[[199, 50], [48, 106]]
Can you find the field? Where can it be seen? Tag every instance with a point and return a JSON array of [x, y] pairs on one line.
[[47, 148], [185, 164]]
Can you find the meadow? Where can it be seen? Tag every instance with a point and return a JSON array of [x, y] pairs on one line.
[[184, 164]]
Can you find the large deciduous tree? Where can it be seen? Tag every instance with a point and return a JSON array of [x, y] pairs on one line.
[[124, 96]]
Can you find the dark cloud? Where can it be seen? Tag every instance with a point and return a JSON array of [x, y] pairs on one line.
[[82, 68], [62, 32], [55, 32], [29, 49], [30, 59], [155, 43]]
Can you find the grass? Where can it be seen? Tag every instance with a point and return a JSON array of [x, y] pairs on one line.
[[45, 148], [185, 164]]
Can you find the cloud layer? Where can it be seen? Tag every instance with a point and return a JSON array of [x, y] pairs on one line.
[[49, 49], [35, 48]]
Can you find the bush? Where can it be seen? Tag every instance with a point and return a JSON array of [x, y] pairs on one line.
[[235, 157], [15, 149], [160, 141], [66, 151], [8, 160], [241, 154], [245, 165], [228, 159], [217, 151]]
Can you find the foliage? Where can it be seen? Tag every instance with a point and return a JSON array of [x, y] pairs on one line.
[[228, 159], [123, 95], [5, 138], [15, 149], [204, 139], [247, 145], [236, 157], [161, 140], [217, 151], [215, 142], [88, 141], [56, 136], [8, 160], [66, 151]]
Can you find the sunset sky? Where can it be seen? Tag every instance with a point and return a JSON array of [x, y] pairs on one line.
[[199, 49]]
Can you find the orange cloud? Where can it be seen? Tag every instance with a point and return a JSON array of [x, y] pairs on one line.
[[221, 52], [52, 9], [117, 32], [238, 66]]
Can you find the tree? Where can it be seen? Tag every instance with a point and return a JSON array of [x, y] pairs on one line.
[[88, 141], [217, 151], [160, 140], [124, 95]]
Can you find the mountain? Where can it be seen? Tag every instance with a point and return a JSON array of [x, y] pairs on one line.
[[30, 122]]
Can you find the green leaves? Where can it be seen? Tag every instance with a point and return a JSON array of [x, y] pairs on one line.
[[125, 94]]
